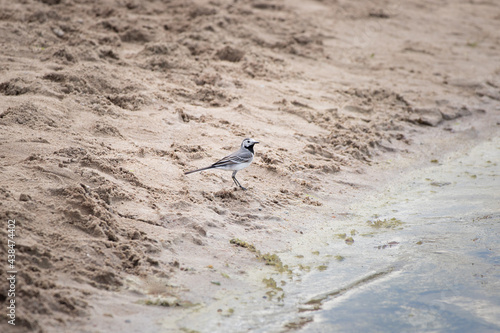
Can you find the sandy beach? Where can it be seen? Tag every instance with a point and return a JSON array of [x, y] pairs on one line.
[[105, 104]]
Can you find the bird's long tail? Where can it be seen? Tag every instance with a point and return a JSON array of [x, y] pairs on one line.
[[197, 170]]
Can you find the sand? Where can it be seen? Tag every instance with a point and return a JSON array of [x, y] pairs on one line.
[[105, 104]]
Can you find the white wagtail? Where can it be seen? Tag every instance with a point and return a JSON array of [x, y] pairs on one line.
[[235, 162]]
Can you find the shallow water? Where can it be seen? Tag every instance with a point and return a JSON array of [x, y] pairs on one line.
[[431, 265], [443, 272]]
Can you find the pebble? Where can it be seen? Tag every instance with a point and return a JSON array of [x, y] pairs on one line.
[[430, 117], [59, 33], [24, 197]]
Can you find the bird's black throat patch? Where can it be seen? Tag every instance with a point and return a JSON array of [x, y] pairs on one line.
[[250, 148]]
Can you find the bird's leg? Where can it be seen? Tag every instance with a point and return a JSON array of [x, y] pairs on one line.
[[236, 181]]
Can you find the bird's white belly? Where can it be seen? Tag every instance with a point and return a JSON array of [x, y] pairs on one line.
[[235, 167]]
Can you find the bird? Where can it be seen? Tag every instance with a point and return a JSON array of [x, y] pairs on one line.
[[234, 162]]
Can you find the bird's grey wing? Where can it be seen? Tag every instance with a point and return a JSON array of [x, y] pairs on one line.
[[238, 157]]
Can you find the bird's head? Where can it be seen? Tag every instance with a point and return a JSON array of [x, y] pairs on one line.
[[248, 143]]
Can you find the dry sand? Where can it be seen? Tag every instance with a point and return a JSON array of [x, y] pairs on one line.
[[104, 105]]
